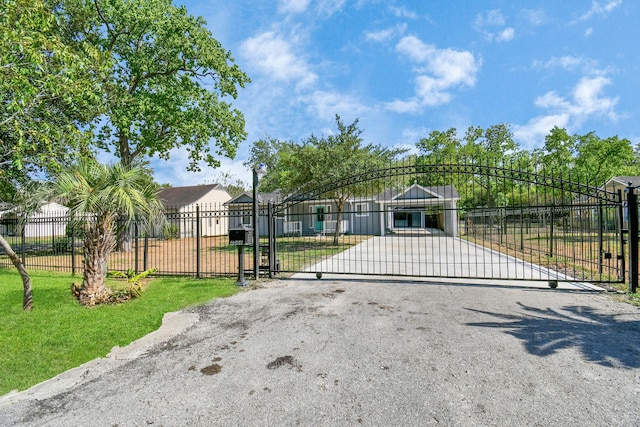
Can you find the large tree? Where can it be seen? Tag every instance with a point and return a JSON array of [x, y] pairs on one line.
[[169, 83], [598, 159], [49, 95], [99, 198], [323, 164]]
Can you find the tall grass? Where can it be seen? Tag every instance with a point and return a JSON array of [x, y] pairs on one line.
[[59, 334]]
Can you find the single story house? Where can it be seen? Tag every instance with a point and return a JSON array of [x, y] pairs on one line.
[[621, 183], [416, 207], [241, 212], [49, 221], [182, 203]]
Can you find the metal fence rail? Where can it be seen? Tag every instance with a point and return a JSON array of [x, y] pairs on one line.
[[438, 219], [434, 218], [193, 242]]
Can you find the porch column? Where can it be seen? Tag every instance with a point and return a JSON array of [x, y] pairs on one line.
[[383, 229]]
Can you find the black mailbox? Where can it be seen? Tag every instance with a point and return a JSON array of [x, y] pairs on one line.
[[241, 235]]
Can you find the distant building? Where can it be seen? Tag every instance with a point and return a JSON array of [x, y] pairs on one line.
[[182, 204], [416, 207]]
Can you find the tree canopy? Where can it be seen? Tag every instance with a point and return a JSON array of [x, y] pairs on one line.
[[49, 91], [168, 84], [587, 158], [49, 94], [294, 167]]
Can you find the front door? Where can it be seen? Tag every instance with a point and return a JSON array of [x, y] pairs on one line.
[[320, 213]]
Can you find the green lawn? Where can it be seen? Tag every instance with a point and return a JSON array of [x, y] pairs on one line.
[[59, 334]]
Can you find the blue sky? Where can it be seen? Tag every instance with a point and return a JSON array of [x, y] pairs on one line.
[[407, 68]]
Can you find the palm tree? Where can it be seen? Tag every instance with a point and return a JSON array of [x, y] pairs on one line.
[[99, 197]]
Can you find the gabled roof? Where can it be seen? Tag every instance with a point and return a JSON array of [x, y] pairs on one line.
[[246, 198], [624, 181], [183, 196], [436, 191]]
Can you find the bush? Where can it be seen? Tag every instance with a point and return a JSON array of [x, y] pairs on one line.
[[62, 245], [170, 231]]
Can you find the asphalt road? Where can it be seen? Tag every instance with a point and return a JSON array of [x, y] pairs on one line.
[[366, 352]]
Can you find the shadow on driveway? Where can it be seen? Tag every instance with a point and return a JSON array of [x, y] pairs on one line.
[[606, 339]]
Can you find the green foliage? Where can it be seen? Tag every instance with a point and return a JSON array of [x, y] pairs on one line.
[[100, 199], [49, 92], [169, 80], [108, 193], [294, 167], [170, 231], [298, 167], [59, 334], [61, 245], [579, 158], [134, 281]]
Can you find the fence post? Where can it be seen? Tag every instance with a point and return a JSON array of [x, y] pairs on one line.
[[600, 237], [73, 249], [623, 262], [135, 244], [145, 257], [551, 219], [198, 241], [271, 238], [23, 253], [632, 205]]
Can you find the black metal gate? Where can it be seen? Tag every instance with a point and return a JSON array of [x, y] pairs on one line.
[[457, 220]]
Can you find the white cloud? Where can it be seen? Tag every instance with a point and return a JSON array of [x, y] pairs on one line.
[[535, 17], [601, 10], [329, 7], [386, 34], [402, 12], [492, 18], [272, 55], [412, 105], [571, 63], [505, 35], [589, 100], [326, 105], [533, 133], [293, 6], [439, 72], [490, 26], [586, 101]]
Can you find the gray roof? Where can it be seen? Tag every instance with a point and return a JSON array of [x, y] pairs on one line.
[[183, 196], [625, 180], [247, 197], [444, 191]]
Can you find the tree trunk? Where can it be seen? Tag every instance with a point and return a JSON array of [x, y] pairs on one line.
[[336, 235], [125, 239], [98, 244], [27, 300]]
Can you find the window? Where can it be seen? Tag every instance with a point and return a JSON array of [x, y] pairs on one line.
[[362, 209], [246, 219]]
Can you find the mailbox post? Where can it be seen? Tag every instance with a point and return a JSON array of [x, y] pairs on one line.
[[241, 236]]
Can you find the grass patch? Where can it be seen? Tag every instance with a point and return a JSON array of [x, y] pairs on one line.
[[60, 334], [297, 253]]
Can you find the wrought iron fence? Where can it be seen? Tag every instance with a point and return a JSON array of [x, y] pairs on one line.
[[192, 241], [401, 220]]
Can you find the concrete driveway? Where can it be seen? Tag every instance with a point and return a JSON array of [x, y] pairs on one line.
[[363, 352], [430, 253]]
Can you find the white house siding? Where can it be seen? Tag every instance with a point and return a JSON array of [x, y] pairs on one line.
[[50, 221], [214, 216]]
